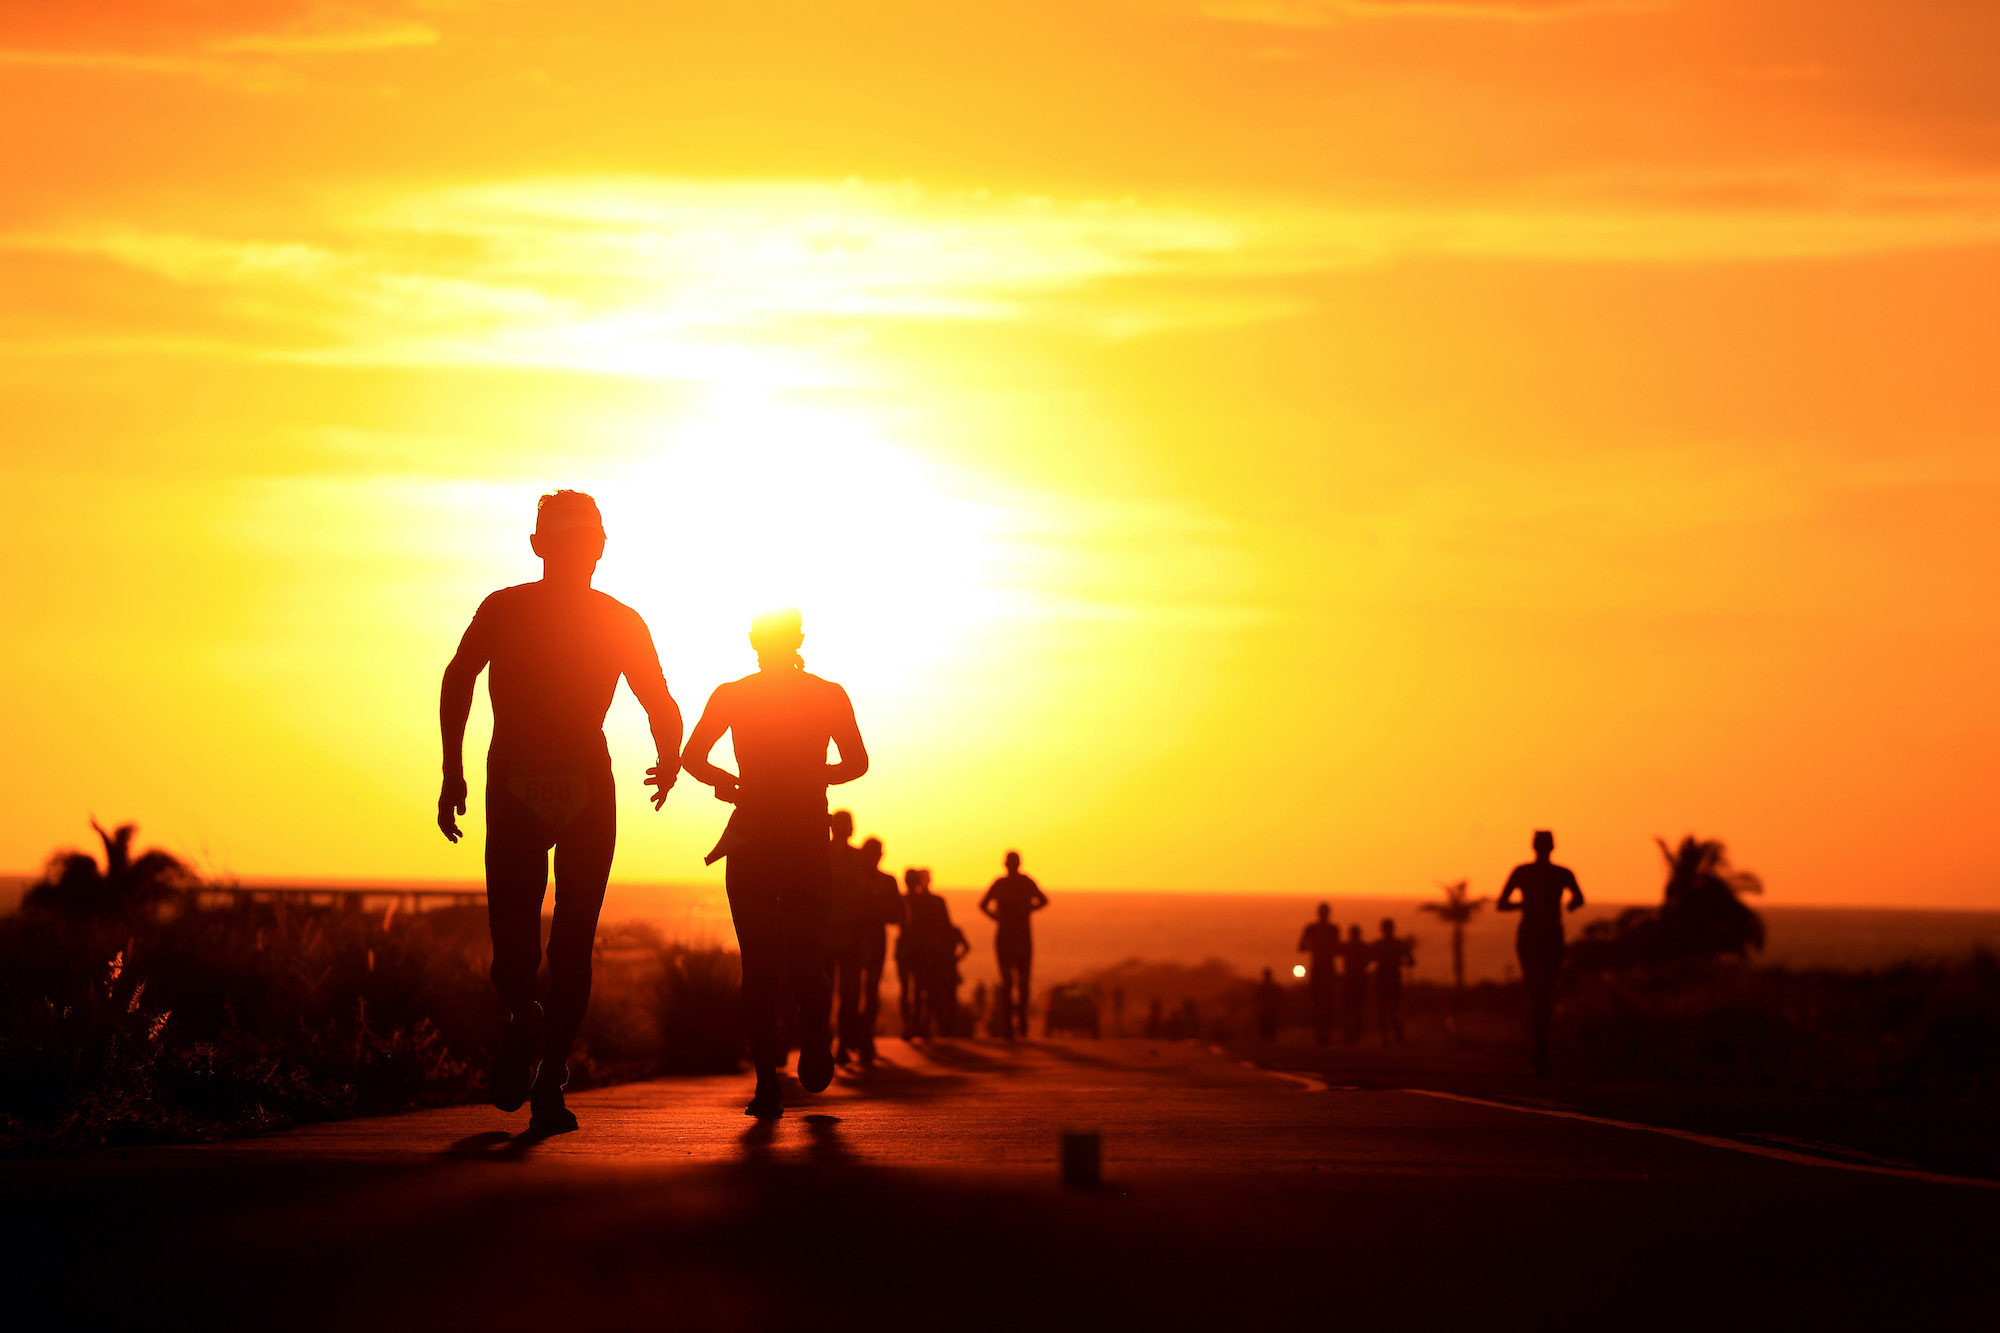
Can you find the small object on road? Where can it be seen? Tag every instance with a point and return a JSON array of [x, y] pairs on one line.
[[1081, 1152]]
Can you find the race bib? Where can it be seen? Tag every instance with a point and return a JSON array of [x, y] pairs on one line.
[[557, 794]]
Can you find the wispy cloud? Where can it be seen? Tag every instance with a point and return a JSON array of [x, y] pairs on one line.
[[728, 281], [1320, 13], [207, 39]]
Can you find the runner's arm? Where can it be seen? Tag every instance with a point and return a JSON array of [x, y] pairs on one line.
[[1575, 893], [1038, 900], [649, 686], [986, 907], [694, 759], [847, 736], [461, 678], [1513, 887]]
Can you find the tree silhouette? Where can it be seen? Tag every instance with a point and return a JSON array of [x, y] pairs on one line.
[[73, 885], [1701, 915], [1457, 911]]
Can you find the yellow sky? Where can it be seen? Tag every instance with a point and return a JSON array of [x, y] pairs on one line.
[[1279, 445]]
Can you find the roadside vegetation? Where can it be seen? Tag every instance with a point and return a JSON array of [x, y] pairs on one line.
[[1671, 991], [129, 1014]]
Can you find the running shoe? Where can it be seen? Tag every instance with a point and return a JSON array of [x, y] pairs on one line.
[[546, 1113], [815, 1066], [513, 1071]]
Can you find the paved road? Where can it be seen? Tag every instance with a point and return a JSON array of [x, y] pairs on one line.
[[927, 1191]]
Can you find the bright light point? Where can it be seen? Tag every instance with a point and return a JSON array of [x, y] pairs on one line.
[[1298, 969]]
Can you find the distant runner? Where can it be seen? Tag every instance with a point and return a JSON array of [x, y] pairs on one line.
[[1536, 890], [1011, 901], [1393, 953], [1270, 1008], [557, 649], [780, 875], [909, 950], [845, 928], [873, 905], [1355, 957], [1321, 939]]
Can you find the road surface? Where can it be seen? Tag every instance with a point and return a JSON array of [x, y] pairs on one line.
[[926, 1195]]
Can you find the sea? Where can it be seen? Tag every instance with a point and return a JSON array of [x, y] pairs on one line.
[[1085, 931]]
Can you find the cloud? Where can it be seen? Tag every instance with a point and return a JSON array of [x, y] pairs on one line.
[[1321, 13], [752, 282], [204, 37]]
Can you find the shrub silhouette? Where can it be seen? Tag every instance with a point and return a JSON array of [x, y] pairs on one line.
[[1701, 916], [72, 884]]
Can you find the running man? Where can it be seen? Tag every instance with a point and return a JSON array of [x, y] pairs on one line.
[[1355, 956], [557, 648], [872, 906], [780, 873], [1321, 939], [1393, 953], [845, 931], [1011, 901], [909, 949], [1537, 890]]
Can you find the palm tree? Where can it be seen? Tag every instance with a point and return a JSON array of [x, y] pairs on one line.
[[1457, 910], [1701, 915], [72, 884]]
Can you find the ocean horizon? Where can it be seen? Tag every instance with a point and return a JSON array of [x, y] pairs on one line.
[[1087, 930]]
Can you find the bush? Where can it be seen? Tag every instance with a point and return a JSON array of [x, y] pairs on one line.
[[1929, 1030], [151, 1026]]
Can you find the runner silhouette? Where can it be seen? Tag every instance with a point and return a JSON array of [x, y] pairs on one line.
[[1010, 902], [1393, 953], [1321, 938], [845, 931], [1537, 890], [909, 951], [1355, 956], [557, 648], [779, 878], [1270, 1008], [872, 905]]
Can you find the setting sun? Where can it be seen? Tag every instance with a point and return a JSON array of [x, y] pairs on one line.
[[1211, 491]]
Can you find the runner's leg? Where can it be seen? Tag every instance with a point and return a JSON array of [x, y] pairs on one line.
[[760, 938], [584, 850]]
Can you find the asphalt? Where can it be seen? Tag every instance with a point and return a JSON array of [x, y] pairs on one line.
[[928, 1192]]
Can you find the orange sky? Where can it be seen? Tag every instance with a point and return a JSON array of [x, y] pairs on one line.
[[1261, 444]]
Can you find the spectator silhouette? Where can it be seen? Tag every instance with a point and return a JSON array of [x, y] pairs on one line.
[[779, 877], [1010, 902], [557, 648], [1270, 1007], [1537, 891], [1321, 939], [1393, 953], [1355, 956]]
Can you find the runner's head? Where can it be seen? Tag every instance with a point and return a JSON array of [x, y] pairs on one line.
[[1354, 932], [1388, 925], [872, 849], [1013, 863], [842, 824], [1325, 911], [569, 534], [1545, 842], [776, 635]]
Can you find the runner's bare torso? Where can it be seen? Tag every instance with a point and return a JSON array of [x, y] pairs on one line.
[[780, 722]]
